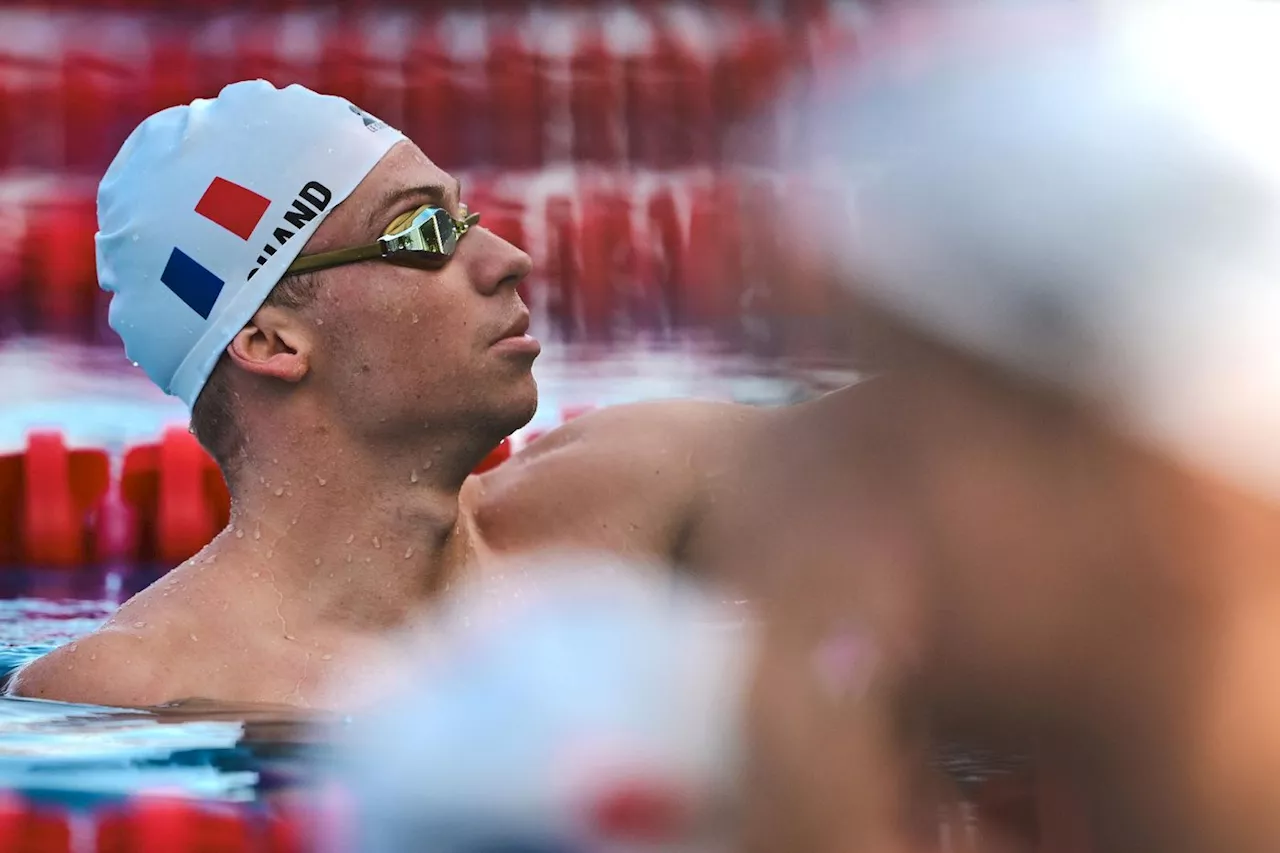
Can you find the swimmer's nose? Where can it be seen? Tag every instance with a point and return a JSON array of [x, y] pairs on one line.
[[495, 263]]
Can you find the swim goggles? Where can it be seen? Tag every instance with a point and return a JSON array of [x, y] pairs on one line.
[[425, 238]]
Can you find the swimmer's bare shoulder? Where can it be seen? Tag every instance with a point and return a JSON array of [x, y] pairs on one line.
[[630, 478], [113, 666]]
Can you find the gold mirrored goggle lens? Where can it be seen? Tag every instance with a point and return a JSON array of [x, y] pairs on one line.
[[426, 237], [428, 232]]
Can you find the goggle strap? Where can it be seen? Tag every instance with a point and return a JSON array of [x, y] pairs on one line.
[[324, 260]]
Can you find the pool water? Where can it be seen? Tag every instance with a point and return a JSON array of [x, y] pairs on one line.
[[83, 755]]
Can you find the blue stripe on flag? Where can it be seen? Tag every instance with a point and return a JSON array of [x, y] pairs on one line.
[[191, 283]]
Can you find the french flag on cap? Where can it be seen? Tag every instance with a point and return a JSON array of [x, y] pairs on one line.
[[235, 208]]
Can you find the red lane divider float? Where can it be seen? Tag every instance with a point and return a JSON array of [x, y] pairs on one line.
[[433, 88], [595, 101], [517, 92], [153, 824], [59, 269], [59, 507], [26, 829], [48, 495], [671, 106], [178, 495], [150, 823]]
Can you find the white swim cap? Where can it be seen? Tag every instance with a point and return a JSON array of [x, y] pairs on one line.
[[206, 205], [1098, 208]]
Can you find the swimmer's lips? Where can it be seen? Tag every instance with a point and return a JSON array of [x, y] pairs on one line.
[[516, 338]]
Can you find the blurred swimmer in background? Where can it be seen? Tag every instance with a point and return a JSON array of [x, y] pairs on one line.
[[1066, 266], [1051, 515]]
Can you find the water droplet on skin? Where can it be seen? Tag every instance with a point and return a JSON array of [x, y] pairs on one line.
[[72, 647], [275, 461], [257, 532], [326, 657], [239, 533], [262, 481], [288, 494], [437, 449], [294, 521], [279, 491], [319, 322], [413, 476], [257, 574], [377, 543], [408, 554], [270, 554], [427, 465], [139, 624], [415, 319], [348, 558], [426, 426], [351, 538], [317, 561], [194, 639], [93, 656], [321, 480], [212, 558]]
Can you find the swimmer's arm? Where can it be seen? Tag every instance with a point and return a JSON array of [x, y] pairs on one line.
[[106, 668]]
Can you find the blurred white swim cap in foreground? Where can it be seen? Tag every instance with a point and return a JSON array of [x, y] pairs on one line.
[[579, 704], [1090, 196]]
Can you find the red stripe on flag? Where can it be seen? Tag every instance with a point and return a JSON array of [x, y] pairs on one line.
[[235, 208]]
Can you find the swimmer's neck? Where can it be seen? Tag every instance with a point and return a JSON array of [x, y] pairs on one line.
[[363, 538]]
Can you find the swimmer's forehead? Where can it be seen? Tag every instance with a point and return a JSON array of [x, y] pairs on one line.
[[404, 180]]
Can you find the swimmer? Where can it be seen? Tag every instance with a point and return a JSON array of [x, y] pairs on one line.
[[350, 341]]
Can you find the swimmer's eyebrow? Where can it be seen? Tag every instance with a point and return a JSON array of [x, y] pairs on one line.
[[434, 194]]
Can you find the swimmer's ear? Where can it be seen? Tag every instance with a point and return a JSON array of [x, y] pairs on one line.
[[273, 344]]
